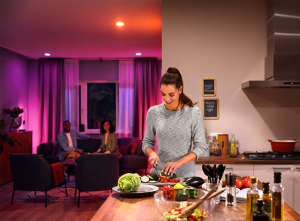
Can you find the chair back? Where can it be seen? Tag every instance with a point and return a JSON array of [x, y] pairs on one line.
[[31, 172], [89, 146], [94, 172], [45, 149]]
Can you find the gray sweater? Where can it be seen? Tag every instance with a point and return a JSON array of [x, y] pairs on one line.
[[175, 132]]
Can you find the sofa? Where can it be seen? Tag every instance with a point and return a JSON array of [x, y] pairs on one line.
[[131, 148]]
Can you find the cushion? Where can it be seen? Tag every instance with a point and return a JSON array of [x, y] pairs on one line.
[[134, 145], [53, 144], [125, 149]]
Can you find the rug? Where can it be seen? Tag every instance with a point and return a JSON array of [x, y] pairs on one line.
[[58, 194]]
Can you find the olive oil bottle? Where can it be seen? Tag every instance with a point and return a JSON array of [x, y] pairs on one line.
[[252, 196], [267, 198], [277, 203], [233, 152]]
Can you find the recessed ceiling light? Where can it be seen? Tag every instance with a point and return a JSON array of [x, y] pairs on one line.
[[138, 54], [120, 23], [47, 54]]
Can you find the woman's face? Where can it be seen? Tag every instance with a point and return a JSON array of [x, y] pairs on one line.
[[106, 126], [170, 95]]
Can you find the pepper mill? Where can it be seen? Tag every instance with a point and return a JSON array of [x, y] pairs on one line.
[[230, 189]]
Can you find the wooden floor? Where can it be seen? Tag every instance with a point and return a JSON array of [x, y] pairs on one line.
[[37, 211]]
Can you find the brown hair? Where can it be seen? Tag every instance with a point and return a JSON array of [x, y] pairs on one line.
[[173, 76]]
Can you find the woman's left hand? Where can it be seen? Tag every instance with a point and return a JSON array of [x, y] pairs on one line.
[[171, 167]]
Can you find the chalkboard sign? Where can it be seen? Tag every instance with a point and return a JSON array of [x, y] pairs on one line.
[[210, 108], [209, 87]]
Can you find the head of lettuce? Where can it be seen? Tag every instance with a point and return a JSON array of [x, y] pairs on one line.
[[129, 182]]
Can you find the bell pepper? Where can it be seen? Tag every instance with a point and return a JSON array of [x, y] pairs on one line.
[[193, 193], [182, 194], [168, 192]]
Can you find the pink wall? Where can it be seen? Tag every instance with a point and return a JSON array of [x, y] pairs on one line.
[[13, 83]]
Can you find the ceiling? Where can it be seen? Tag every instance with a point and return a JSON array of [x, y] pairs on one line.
[[84, 29]]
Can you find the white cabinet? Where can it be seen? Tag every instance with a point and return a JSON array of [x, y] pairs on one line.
[[239, 169], [296, 173], [199, 171], [265, 173]]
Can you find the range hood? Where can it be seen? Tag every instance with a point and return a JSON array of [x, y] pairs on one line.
[[282, 64]]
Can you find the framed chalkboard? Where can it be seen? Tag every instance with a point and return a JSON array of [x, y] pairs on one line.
[[209, 87], [210, 108]]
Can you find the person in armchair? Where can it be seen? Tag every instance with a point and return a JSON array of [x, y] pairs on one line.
[[108, 139], [67, 142]]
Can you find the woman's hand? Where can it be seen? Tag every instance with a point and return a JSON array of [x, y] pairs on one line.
[[107, 151], [153, 159], [171, 167]]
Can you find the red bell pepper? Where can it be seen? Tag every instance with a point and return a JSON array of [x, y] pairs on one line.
[[168, 192]]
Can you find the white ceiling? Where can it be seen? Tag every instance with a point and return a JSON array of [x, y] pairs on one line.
[[82, 28]]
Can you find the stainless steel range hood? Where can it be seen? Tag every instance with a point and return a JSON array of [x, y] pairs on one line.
[[282, 65]]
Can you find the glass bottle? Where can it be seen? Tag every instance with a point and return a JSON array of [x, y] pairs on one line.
[[259, 215], [210, 141], [252, 196], [277, 203], [230, 189], [216, 148], [267, 198], [233, 153]]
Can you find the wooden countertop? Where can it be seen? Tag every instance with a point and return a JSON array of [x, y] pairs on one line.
[[118, 208], [241, 159]]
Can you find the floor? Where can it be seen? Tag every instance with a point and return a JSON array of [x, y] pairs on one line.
[[37, 211]]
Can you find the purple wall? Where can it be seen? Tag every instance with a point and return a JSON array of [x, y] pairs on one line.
[[95, 70], [13, 82]]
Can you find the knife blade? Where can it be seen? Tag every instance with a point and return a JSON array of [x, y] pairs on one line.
[[155, 164]]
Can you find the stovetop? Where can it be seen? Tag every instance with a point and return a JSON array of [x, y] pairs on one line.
[[270, 155]]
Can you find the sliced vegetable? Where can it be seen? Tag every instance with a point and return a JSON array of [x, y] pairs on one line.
[[145, 179], [154, 176], [152, 181]]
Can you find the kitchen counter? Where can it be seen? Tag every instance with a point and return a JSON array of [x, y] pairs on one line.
[[241, 159], [118, 208]]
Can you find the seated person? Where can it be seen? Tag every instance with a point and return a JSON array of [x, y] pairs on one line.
[[109, 139], [67, 142]]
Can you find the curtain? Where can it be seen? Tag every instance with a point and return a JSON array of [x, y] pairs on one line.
[[50, 96], [126, 98], [71, 95], [147, 74]]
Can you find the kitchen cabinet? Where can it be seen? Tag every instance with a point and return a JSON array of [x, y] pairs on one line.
[[296, 173], [241, 170], [290, 179]]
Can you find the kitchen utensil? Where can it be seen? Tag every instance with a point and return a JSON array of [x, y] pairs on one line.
[[216, 193], [190, 209], [155, 164], [283, 146], [223, 140], [221, 171], [206, 171], [214, 173], [211, 172], [218, 171]]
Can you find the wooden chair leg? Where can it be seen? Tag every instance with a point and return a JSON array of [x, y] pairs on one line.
[[13, 194], [45, 196]]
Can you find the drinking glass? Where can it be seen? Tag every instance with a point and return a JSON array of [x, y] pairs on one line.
[[209, 186]]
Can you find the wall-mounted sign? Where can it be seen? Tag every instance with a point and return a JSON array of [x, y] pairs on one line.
[[210, 108], [209, 87]]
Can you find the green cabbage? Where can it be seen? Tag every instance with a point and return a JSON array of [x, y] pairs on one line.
[[129, 182]]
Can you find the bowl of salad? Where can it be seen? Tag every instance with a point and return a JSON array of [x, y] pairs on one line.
[[170, 207]]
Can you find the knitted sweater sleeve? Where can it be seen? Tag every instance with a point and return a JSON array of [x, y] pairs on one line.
[[149, 136]]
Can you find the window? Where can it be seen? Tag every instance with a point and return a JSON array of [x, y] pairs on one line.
[[99, 101]]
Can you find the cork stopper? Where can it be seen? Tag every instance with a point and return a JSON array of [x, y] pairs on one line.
[[253, 179]]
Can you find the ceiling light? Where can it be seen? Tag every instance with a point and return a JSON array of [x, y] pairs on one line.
[[47, 54], [120, 23], [138, 53]]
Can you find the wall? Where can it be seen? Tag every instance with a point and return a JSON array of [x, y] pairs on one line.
[[13, 83], [96, 70], [227, 40]]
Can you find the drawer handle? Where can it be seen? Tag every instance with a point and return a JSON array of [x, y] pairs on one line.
[[229, 168], [281, 168]]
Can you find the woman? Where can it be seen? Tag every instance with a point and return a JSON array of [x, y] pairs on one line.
[[109, 139], [177, 124]]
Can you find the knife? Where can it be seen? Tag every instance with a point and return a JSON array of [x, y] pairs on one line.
[[155, 164]]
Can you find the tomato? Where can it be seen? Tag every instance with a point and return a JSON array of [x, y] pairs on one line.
[[246, 182], [239, 183], [164, 179]]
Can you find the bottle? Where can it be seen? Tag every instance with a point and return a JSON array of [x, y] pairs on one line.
[[252, 196], [277, 203], [233, 146], [260, 215], [216, 148], [267, 198], [230, 189], [210, 141]]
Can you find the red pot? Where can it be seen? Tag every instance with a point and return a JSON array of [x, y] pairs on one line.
[[283, 146]]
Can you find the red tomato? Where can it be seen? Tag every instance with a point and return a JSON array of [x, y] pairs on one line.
[[238, 183], [246, 182]]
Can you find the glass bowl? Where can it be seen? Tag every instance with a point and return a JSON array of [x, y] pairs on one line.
[[166, 205]]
